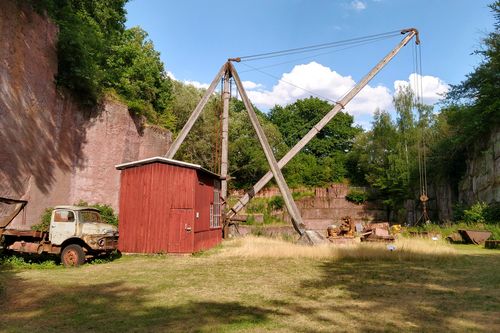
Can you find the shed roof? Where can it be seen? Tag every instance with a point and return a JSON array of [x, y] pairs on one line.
[[159, 159]]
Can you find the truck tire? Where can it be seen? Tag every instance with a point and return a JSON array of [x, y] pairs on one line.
[[72, 255]]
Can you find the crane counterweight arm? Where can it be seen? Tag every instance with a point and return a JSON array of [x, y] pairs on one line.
[[410, 33]]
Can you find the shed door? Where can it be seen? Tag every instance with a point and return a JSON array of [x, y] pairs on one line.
[[181, 231]]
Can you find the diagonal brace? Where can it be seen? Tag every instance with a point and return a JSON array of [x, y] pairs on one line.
[[275, 169]]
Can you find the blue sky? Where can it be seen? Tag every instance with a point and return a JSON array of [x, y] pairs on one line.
[[196, 37]]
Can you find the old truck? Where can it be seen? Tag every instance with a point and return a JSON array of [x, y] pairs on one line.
[[75, 233]]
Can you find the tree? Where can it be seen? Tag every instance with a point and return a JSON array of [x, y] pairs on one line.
[[135, 72], [322, 161], [247, 161], [471, 112], [97, 54], [296, 119]]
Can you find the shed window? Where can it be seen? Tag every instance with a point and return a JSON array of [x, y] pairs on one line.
[[215, 212]]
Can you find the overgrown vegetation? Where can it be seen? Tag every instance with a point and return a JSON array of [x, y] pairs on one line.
[[97, 55], [107, 214], [44, 220], [357, 196], [471, 112]]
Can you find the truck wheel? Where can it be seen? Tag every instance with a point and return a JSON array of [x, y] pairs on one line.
[[72, 255]]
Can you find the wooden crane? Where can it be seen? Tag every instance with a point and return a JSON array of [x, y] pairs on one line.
[[228, 71]]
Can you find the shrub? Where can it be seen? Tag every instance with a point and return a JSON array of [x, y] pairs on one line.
[[276, 203], [44, 220], [357, 196], [476, 213], [107, 213], [492, 213]]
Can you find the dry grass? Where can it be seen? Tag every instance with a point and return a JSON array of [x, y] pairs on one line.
[[263, 285], [405, 249]]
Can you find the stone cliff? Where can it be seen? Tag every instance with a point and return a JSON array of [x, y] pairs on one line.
[[52, 150], [482, 178]]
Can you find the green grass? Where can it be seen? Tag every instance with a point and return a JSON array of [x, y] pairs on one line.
[[447, 229], [222, 291]]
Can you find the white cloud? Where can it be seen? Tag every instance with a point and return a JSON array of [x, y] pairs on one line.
[[197, 84], [171, 75], [433, 88], [321, 80], [358, 5], [249, 85]]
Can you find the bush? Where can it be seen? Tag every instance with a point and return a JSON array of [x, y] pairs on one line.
[[44, 220], [476, 213], [276, 203], [107, 213], [357, 196], [492, 213]]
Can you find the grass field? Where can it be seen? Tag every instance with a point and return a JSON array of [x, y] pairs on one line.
[[258, 285]]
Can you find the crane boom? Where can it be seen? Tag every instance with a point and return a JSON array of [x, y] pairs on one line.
[[410, 33]]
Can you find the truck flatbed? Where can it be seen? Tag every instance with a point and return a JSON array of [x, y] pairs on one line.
[[23, 233]]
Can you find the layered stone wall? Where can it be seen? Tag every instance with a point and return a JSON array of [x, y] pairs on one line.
[[52, 150], [482, 178], [329, 206]]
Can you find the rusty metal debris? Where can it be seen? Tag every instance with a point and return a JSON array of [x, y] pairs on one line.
[[345, 229], [377, 232], [474, 236], [492, 244]]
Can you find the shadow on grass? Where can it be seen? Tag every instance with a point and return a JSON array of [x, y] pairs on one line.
[[112, 307], [426, 294]]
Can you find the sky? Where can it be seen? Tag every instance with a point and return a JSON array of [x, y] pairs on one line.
[[196, 37]]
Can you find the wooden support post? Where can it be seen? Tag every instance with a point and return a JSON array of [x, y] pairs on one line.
[[196, 113], [276, 172], [322, 123], [225, 134]]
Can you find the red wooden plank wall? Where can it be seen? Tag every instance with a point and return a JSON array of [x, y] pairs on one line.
[[205, 237], [148, 196]]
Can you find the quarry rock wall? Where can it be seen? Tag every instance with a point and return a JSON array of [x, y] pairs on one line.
[[482, 178], [53, 151]]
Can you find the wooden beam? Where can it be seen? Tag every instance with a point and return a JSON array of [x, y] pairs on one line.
[[196, 113], [225, 135], [275, 170]]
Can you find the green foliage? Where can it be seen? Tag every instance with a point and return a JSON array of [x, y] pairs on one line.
[[247, 162], [357, 196], [476, 213], [107, 213], [492, 213], [471, 112], [321, 161], [97, 54], [381, 157], [28, 261], [44, 220], [276, 203], [135, 72], [447, 229]]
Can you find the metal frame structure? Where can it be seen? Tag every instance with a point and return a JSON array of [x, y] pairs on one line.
[[228, 71]]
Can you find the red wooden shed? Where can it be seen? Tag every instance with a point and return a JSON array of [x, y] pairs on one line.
[[168, 206]]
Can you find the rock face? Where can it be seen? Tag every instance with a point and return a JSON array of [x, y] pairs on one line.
[[482, 178], [52, 150], [329, 206]]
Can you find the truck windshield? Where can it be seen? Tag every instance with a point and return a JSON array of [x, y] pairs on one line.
[[89, 216]]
